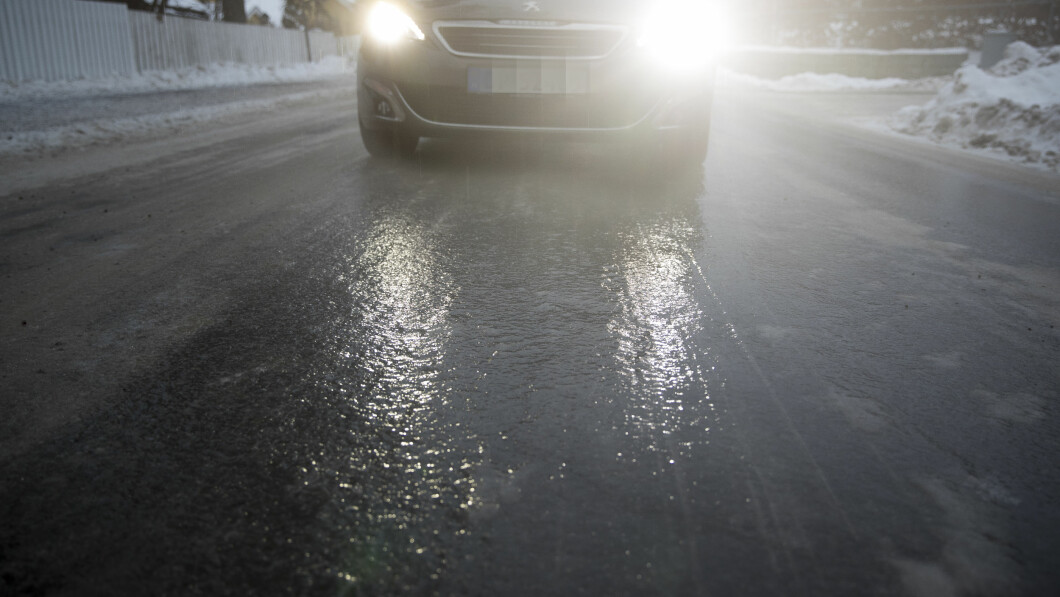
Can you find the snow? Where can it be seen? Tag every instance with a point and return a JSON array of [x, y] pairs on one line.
[[35, 143], [169, 113], [1011, 110], [191, 4], [216, 75], [851, 51], [831, 82], [274, 8]]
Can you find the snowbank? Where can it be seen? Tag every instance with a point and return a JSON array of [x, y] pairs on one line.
[[171, 113], [815, 82], [169, 122], [1012, 109], [955, 51], [217, 75], [774, 62]]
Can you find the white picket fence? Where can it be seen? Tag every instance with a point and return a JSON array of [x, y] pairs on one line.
[[73, 39]]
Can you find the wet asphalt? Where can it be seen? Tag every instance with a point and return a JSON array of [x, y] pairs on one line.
[[823, 364]]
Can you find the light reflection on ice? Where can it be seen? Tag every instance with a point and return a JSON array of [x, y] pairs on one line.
[[658, 316], [400, 465], [403, 301]]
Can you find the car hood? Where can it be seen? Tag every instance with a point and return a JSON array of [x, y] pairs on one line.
[[561, 11]]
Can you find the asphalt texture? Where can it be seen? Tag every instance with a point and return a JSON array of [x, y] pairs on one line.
[[826, 363]]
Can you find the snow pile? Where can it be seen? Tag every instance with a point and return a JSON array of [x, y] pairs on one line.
[[1013, 108], [201, 77], [171, 112], [833, 51], [110, 130], [817, 82]]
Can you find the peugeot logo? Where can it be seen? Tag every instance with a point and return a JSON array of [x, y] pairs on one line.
[[531, 6]]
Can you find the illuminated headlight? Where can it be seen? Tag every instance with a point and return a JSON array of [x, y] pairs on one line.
[[684, 34], [388, 24]]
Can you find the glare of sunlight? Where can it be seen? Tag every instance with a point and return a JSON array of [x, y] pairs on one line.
[[387, 378], [407, 309], [659, 314]]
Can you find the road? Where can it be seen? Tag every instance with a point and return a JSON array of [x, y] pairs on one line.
[[250, 360]]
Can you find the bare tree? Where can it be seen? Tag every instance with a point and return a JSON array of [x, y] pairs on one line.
[[304, 15]]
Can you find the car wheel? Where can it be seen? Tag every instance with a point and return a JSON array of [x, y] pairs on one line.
[[388, 143]]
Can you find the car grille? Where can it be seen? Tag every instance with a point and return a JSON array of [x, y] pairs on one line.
[[488, 40], [588, 111]]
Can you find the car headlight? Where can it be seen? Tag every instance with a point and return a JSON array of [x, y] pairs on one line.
[[388, 24], [684, 34]]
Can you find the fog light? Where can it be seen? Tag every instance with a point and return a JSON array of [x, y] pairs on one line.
[[382, 108], [384, 104]]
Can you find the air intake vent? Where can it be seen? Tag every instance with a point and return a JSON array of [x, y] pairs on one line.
[[491, 40]]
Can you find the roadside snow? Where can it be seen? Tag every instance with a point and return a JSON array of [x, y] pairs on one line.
[[816, 82], [27, 133], [851, 51], [1013, 109], [36, 143], [201, 77]]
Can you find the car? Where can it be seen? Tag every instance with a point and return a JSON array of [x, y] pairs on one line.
[[607, 70]]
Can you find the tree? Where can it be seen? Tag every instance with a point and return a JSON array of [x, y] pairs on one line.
[[302, 14], [235, 11], [335, 16]]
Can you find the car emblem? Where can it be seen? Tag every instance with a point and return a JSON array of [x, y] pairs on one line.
[[531, 6]]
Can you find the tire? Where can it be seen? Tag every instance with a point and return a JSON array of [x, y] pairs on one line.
[[388, 143]]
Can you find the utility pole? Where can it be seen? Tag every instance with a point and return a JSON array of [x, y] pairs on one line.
[[310, 16]]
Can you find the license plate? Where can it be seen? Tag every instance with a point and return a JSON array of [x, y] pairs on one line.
[[532, 78]]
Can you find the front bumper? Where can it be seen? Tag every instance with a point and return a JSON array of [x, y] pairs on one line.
[[422, 89]]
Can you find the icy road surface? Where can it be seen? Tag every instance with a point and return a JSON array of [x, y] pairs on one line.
[[249, 360]]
